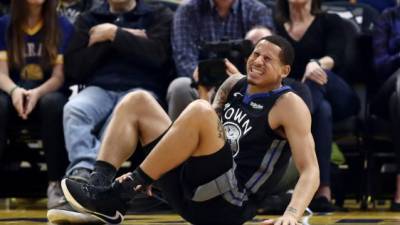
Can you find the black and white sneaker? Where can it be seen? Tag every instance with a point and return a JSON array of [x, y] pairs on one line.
[[65, 214], [99, 201]]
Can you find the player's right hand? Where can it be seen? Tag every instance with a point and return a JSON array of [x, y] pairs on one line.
[[283, 220]]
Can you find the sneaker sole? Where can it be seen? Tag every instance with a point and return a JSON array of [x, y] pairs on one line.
[[117, 219], [58, 216]]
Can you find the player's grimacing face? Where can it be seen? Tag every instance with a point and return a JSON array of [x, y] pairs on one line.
[[264, 64]]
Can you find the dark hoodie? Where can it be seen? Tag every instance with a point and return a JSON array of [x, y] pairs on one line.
[[129, 61]]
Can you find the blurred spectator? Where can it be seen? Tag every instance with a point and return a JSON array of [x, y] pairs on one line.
[[319, 43], [4, 7], [256, 33], [387, 62], [119, 47], [32, 43], [72, 8], [380, 5], [387, 43], [97, 3], [199, 21]]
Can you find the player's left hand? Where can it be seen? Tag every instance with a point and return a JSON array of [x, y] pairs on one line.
[[123, 177], [230, 68], [102, 32], [120, 179], [283, 220]]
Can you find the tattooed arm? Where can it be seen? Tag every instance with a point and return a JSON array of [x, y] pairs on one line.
[[223, 92]]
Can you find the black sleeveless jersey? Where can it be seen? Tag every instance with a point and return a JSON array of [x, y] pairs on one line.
[[258, 152]]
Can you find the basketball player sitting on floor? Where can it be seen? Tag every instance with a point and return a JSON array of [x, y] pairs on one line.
[[216, 162]]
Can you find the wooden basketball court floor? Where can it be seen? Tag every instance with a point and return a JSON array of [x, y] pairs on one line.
[[24, 214]]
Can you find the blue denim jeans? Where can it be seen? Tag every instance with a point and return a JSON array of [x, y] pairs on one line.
[[93, 106]]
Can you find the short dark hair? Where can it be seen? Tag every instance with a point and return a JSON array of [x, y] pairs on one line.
[[282, 14], [287, 52]]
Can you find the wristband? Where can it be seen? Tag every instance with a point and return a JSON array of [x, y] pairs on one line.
[[12, 90]]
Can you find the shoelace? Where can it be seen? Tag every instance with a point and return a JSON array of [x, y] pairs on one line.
[[90, 191], [96, 192]]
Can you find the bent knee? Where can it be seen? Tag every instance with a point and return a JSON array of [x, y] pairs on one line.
[[134, 100], [137, 97], [201, 106]]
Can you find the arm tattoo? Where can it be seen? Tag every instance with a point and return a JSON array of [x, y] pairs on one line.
[[222, 94], [221, 130], [220, 99]]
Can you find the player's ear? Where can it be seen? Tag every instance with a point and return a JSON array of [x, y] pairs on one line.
[[285, 70]]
